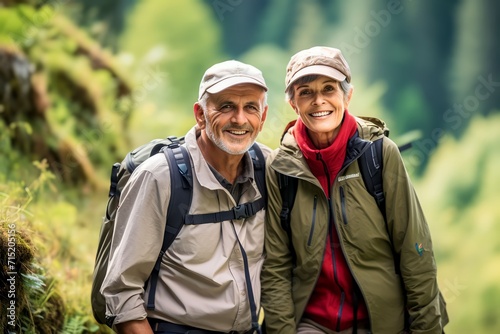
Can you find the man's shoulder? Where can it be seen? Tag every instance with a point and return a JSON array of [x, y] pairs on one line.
[[155, 164]]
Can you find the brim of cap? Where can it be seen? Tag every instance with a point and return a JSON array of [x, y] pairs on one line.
[[318, 70], [233, 81]]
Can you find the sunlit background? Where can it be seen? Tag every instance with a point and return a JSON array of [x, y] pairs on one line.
[[84, 82]]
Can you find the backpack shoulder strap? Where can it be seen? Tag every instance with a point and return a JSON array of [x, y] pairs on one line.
[[181, 181], [371, 165], [288, 189], [244, 210], [259, 167]]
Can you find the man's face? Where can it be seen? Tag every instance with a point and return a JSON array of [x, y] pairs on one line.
[[234, 117]]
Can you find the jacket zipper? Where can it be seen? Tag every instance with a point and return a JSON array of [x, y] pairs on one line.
[[332, 248], [334, 263], [342, 205], [313, 223], [341, 243], [341, 307]]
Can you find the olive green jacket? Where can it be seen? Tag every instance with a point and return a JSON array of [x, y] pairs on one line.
[[364, 240]]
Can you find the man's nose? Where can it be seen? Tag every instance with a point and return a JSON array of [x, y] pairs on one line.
[[239, 115]]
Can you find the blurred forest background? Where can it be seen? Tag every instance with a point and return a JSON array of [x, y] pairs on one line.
[[84, 82]]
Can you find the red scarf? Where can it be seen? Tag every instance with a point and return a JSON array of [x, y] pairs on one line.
[[333, 155]]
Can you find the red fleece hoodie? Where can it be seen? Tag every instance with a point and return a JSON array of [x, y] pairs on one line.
[[331, 303]]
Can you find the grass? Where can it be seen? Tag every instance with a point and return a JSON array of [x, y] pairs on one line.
[[56, 234]]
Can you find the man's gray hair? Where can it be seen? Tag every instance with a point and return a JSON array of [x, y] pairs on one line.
[[204, 100]]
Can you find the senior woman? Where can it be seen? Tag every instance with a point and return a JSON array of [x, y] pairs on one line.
[[337, 272]]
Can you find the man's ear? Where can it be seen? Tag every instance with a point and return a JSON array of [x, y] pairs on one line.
[[263, 118], [199, 115]]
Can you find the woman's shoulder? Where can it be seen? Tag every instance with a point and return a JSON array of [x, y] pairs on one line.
[[371, 128]]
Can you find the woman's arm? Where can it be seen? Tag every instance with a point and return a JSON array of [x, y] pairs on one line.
[[412, 240]]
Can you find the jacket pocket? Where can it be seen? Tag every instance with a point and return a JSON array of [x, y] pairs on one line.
[[343, 205], [313, 221]]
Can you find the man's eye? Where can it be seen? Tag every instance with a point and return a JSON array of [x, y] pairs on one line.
[[226, 108], [252, 108]]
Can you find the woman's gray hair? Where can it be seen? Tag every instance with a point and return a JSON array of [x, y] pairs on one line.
[[290, 93]]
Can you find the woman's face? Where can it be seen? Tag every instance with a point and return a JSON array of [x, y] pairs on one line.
[[321, 104]]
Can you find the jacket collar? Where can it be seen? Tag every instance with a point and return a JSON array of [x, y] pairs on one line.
[[289, 159]]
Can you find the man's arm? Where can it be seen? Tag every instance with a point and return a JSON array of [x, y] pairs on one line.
[[137, 240], [134, 327]]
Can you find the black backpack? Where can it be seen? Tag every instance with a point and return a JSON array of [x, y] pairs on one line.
[[370, 165], [181, 179]]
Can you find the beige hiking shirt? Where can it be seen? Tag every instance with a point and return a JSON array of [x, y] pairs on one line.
[[202, 279]]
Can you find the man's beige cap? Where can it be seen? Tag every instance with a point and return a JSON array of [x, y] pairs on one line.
[[319, 60], [229, 73]]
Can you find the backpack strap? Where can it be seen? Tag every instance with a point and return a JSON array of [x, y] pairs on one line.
[[370, 165], [238, 212], [288, 189], [259, 167], [113, 184], [244, 210], [181, 186]]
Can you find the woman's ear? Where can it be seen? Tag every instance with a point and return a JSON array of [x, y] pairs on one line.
[[294, 107], [349, 96]]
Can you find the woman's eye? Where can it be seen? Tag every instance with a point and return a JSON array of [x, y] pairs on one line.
[[304, 92], [329, 88]]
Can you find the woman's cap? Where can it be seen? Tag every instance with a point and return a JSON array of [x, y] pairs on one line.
[[229, 73], [319, 60]]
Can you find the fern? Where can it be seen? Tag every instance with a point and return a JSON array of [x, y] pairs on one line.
[[77, 325]]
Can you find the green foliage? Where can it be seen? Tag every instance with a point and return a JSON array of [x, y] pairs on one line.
[[78, 325], [54, 254], [459, 193], [174, 41], [59, 92], [105, 20], [34, 304], [274, 26], [476, 53], [305, 31]]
